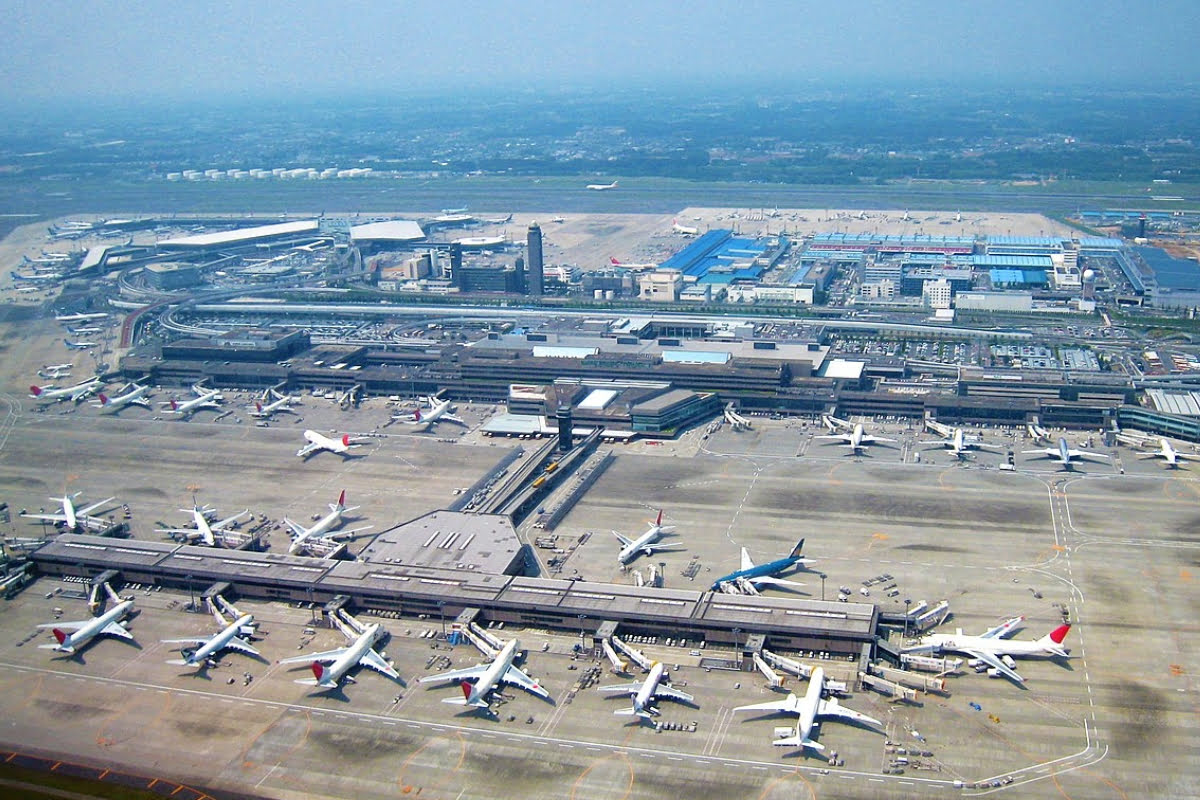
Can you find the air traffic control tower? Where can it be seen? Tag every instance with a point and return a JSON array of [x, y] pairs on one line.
[[533, 283]]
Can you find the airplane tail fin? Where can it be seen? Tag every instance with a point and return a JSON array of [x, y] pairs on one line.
[[258, 407], [174, 404], [1054, 639], [612, 260], [35, 390], [59, 635], [465, 700], [345, 440], [103, 398], [342, 499], [796, 550], [658, 521], [318, 670]]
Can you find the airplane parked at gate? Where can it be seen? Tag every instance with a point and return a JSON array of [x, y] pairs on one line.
[[1168, 452], [282, 402], [359, 652], [73, 518], [135, 396], [808, 709], [645, 692], [79, 317], [992, 650], [80, 345], [1064, 455], [955, 440], [205, 649], [754, 577], [646, 544], [853, 435], [205, 399], [439, 411], [84, 631], [322, 529], [44, 394], [487, 677], [204, 532]]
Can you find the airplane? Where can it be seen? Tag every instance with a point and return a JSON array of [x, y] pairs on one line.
[[992, 649], [84, 331], [1064, 455], [76, 393], [1168, 452], [18, 277], [645, 692], [808, 709], [205, 399], [80, 345], [317, 443], [204, 531], [646, 543], [228, 638], [359, 652], [135, 396], [322, 529], [79, 317], [55, 371], [487, 677], [601, 187], [499, 220], [956, 441], [438, 411], [84, 631], [283, 402], [559, 220], [74, 518], [855, 438], [683, 230], [623, 265], [455, 211], [762, 574]]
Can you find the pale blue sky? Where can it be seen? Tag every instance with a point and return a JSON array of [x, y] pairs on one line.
[[65, 50]]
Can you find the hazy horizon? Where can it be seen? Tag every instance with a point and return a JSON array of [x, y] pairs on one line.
[[60, 53]]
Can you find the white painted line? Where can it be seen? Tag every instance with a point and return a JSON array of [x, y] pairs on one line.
[[567, 746], [390, 723]]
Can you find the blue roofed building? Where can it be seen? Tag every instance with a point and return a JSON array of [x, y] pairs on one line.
[[719, 257]]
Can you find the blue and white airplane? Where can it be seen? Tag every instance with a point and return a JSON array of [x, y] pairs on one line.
[[1064, 455], [751, 577]]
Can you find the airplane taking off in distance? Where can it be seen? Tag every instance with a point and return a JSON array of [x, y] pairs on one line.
[[750, 577], [318, 442], [487, 677], [1064, 455], [1168, 452], [853, 435], [646, 544], [644, 693], [808, 709], [992, 651], [602, 187]]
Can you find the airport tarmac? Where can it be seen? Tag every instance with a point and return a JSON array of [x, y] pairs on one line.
[[1118, 551]]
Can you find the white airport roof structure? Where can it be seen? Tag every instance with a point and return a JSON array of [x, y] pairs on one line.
[[392, 230], [695, 357], [94, 256], [242, 235], [598, 399], [557, 351], [841, 369], [1183, 403]]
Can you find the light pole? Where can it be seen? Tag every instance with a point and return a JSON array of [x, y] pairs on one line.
[[442, 616], [191, 595], [907, 603], [822, 587], [582, 617]]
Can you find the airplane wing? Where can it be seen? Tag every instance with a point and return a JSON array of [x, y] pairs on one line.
[[454, 419], [229, 520], [298, 530], [870, 439], [67, 626], [339, 535], [673, 694], [767, 580], [1047, 452], [83, 512], [747, 563], [651, 549], [241, 646], [995, 663], [116, 629], [1003, 629], [839, 436], [796, 741], [196, 641], [831, 708], [787, 704], [457, 674], [621, 688], [375, 661], [328, 655], [624, 539], [47, 517], [518, 678], [307, 449]]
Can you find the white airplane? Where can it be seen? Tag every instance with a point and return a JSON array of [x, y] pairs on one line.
[[205, 399], [318, 442], [205, 531], [135, 396], [229, 638], [79, 317], [53, 372], [854, 437], [322, 529], [645, 692], [559, 220], [360, 652], [1168, 452], [487, 677], [957, 442], [808, 709], [84, 631], [80, 345], [602, 187], [1064, 455], [646, 544], [438, 411], [683, 230], [85, 331], [282, 402], [625, 265], [992, 650], [44, 394], [71, 517]]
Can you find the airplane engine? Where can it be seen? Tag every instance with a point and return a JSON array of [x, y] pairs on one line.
[[1008, 662]]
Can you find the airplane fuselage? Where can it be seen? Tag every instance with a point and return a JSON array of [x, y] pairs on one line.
[[769, 569], [808, 706], [349, 659], [88, 632], [645, 694], [634, 548], [219, 642]]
